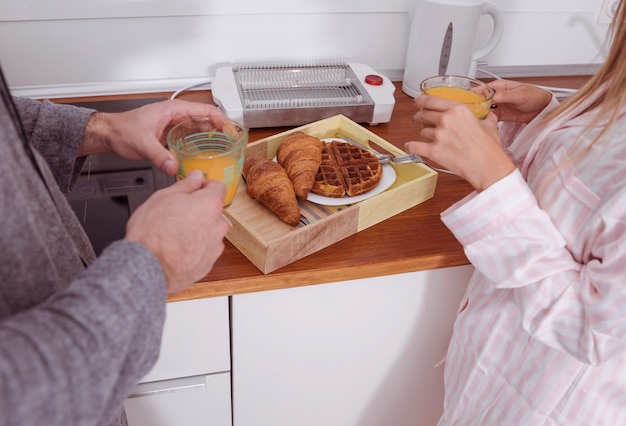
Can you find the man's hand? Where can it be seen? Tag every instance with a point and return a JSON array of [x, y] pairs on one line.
[[141, 133], [183, 226]]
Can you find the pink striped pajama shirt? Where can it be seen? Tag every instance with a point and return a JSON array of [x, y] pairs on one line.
[[540, 338]]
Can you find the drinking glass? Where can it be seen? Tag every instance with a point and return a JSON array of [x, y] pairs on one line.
[[216, 149], [473, 93]]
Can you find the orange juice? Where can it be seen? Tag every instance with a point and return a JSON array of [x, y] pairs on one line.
[[226, 169], [478, 104], [215, 148]]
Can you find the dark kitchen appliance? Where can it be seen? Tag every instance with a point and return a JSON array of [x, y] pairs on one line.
[[109, 188]]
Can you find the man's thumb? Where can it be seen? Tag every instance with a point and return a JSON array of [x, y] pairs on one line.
[[192, 182]]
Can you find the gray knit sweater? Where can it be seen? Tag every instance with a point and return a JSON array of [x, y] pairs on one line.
[[74, 339]]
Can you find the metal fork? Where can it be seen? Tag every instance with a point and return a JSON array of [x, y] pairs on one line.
[[414, 158]]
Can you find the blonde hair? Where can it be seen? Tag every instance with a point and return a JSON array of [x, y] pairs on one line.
[[608, 85]]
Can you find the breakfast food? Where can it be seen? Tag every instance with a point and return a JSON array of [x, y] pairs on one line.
[[346, 169], [301, 156], [268, 183]]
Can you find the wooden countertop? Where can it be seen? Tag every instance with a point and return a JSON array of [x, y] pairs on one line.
[[410, 241], [413, 240]]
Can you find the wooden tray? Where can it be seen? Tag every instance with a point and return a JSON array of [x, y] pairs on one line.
[[271, 244]]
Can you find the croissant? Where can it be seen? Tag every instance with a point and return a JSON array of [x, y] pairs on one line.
[[268, 183], [301, 156]]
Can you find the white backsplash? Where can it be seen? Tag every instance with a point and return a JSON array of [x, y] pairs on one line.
[[52, 48]]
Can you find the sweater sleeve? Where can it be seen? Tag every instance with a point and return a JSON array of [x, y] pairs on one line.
[[56, 132], [74, 359]]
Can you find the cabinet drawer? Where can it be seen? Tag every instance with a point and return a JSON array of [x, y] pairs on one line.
[[192, 401], [196, 340]]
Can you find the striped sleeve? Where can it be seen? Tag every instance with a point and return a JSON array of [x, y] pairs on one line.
[[573, 306]]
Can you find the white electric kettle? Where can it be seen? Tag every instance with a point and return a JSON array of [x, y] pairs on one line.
[[442, 37]]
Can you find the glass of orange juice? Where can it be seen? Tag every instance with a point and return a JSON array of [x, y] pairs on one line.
[[473, 93], [216, 149]]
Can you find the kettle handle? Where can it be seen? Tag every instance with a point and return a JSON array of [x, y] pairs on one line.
[[498, 26]]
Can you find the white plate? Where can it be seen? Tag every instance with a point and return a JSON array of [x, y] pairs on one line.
[[387, 179]]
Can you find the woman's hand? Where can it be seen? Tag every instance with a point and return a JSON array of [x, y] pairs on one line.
[[141, 133], [183, 226], [518, 102], [453, 137]]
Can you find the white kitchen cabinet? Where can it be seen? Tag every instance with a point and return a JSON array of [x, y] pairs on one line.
[[195, 341], [190, 383], [355, 353], [191, 401]]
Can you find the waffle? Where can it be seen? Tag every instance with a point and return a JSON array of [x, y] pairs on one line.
[[346, 169]]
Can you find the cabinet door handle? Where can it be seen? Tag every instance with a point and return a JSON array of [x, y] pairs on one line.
[[171, 385]]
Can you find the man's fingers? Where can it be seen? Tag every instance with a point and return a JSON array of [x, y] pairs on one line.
[[214, 187], [194, 181]]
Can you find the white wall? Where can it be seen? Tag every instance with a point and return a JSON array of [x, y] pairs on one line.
[[81, 47]]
